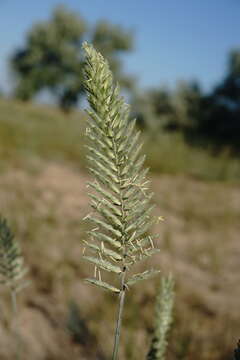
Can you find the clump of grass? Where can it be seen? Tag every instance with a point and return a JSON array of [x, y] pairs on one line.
[[120, 199], [163, 319]]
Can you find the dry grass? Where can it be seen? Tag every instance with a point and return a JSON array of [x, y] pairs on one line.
[[199, 242]]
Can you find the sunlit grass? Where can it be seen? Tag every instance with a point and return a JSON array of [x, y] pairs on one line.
[[29, 133], [168, 153]]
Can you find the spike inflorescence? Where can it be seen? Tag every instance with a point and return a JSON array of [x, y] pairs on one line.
[[163, 319], [121, 201], [12, 267]]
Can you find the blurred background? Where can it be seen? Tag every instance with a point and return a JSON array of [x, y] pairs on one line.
[[178, 64]]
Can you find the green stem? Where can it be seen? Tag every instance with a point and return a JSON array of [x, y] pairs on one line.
[[15, 322], [119, 320]]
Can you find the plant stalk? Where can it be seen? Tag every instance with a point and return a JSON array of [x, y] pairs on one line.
[[15, 322], [119, 319]]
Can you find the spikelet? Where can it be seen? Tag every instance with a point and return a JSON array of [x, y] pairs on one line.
[[121, 201], [163, 319], [12, 268]]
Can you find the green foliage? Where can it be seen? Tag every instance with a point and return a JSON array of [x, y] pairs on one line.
[[229, 89], [222, 108], [121, 203], [188, 105], [163, 319], [12, 269], [51, 58], [161, 109]]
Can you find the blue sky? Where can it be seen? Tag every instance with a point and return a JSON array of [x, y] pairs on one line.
[[174, 39]]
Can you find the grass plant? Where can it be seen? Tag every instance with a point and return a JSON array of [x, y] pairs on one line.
[[120, 198], [12, 270], [163, 319]]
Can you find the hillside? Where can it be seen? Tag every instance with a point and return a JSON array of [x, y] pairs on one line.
[[43, 194]]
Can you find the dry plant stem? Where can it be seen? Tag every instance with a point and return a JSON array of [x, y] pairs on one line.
[[15, 322], [119, 320]]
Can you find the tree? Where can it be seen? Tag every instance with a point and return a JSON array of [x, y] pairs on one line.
[[187, 102], [221, 122], [212, 118], [176, 110], [153, 109], [229, 90], [205, 119], [51, 58]]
